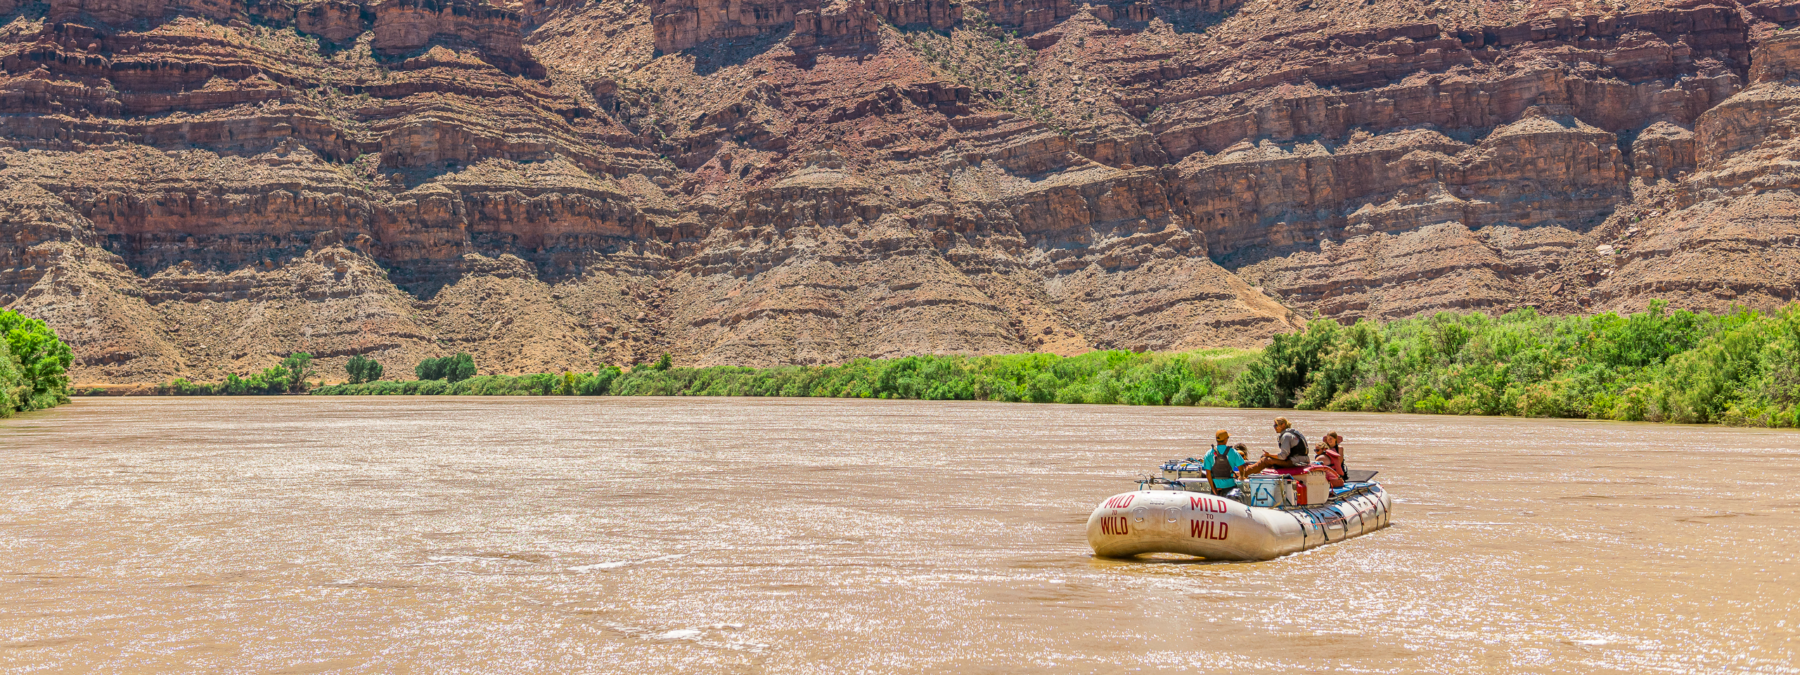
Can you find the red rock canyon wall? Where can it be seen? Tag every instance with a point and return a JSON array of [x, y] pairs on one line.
[[195, 187]]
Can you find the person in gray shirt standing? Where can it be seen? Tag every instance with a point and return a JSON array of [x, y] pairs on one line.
[[1290, 450]]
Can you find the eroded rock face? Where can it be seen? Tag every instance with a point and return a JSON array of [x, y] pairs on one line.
[[192, 188], [1725, 235], [680, 24]]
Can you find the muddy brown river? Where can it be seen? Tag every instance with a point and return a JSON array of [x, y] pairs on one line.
[[569, 535]]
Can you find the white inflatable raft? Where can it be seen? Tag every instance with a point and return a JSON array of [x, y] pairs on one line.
[[1166, 517]]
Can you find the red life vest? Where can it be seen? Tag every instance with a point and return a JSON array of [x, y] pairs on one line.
[[1333, 461]]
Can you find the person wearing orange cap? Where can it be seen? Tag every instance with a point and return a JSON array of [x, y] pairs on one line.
[[1222, 464]]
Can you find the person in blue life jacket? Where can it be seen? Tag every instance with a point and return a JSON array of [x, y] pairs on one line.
[[1290, 450], [1222, 464]]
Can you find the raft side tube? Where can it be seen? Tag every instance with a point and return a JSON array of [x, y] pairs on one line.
[[1216, 528]]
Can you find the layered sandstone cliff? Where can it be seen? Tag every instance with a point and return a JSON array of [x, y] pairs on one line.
[[190, 188]]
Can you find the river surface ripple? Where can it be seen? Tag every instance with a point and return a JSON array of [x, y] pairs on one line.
[[440, 535]]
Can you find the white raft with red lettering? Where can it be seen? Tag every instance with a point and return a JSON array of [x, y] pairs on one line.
[[1167, 517]]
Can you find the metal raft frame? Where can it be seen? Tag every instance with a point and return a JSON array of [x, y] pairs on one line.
[[1350, 490]]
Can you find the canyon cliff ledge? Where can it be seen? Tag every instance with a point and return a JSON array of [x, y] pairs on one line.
[[190, 188]]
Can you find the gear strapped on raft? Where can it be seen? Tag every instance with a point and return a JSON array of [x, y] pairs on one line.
[[1191, 510]]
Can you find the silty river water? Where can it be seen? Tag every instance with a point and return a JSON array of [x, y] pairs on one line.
[[442, 535]]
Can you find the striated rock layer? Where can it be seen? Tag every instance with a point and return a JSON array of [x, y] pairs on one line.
[[195, 187]]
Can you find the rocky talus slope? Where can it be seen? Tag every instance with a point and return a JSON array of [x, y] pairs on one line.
[[195, 187]]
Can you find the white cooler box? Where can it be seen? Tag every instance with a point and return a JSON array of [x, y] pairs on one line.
[[1268, 491], [1310, 489]]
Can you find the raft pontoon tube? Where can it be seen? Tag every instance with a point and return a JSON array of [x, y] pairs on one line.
[[1168, 517]]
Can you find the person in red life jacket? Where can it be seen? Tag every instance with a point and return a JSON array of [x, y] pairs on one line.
[[1331, 456], [1290, 450]]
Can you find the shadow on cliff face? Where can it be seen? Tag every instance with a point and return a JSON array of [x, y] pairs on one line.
[[1187, 20], [716, 55], [27, 11]]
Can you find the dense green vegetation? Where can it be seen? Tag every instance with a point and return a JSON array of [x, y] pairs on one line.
[[542, 384], [299, 367], [34, 365], [1097, 377], [290, 376], [1738, 368], [450, 368], [362, 369]]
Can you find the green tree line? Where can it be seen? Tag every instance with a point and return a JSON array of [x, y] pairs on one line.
[[1740, 367], [542, 384], [450, 368], [1097, 377], [289, 377], [34, 365]]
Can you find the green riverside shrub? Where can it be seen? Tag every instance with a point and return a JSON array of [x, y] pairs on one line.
[[34, 365], [272, 380], [449, 368], [362, 369], [298, 366]]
